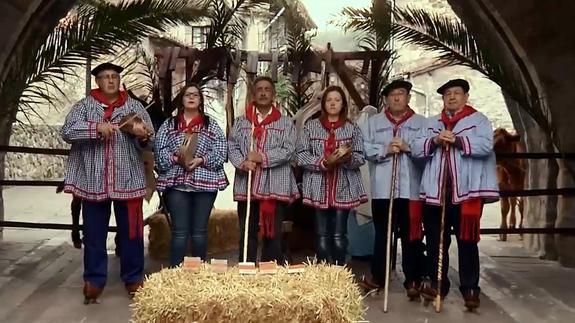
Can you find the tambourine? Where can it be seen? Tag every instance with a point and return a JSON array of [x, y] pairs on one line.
[[130, 120], [188, 148], [338, 155]]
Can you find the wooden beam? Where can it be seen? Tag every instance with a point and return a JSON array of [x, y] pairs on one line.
[[166, 56], [189, 69], [376, 65], [344, 74], [174, 59], [268, 57]]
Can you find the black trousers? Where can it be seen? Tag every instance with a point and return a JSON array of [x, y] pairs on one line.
[[467, 252], [412, 252], [331, 235], [271, 248]]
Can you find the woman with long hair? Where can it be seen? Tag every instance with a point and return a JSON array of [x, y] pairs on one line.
[[330, 150], [190, 152]]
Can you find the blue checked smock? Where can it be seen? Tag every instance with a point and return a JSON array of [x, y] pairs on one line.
[[273, 179], [212, 147], [345, 189], [472, 167], [101, 169], [378, 133]]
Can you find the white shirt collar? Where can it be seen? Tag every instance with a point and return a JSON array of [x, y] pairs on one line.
[[261, 116]]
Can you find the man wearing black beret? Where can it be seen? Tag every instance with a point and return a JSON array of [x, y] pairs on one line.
[[105, 167], [458, 143]]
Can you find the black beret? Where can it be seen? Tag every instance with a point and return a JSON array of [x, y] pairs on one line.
[[106, 66], [454, 83], [397, 84]]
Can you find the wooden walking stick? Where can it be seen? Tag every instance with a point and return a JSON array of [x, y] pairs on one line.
[[249, 196], [441, 231], [388, 242]]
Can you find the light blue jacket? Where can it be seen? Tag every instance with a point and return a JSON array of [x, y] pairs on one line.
[[472, 167], [377, 135]]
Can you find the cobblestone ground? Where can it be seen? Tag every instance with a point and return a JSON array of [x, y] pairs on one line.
[[41, 276]]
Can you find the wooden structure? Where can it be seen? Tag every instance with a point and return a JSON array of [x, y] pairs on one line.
[[226, 64]]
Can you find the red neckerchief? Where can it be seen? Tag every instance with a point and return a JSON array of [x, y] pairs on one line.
[[99, 96], [396, 123], [471, 208], [331, 127], [183, 127], [135, 218], [451, 122], [252, 116]]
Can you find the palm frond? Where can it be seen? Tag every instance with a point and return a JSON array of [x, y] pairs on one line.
[[453, 43], [373, 24], [373, 28], [96, 29], [228, 21], [299, 47]]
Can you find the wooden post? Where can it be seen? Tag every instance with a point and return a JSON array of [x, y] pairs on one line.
[[189, 70], [344, 74], [376, 65], [88, 75], [233, 74]]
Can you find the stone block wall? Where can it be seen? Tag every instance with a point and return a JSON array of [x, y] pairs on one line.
[[35, 166]]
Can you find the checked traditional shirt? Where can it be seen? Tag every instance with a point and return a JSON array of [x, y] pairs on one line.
[[212, 147], [101, 169], [341, 188]]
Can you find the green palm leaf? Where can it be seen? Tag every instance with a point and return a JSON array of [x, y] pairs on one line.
[[453, 43], [373, 27], [228, 21], [373, 24], [97, 29], [298, 47]]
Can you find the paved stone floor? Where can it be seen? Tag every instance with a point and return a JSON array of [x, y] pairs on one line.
[[41, 277]]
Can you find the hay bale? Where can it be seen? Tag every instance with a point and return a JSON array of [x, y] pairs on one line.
[[321, 294], [160, 235], [223, 233]]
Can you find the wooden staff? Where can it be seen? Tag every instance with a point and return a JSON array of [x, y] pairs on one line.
[[388, 242], [249, 195], [441, 231]]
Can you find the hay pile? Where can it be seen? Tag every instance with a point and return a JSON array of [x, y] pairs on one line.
[[223, 233], [320, 294]]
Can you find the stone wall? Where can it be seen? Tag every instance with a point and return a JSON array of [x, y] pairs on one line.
[[35, 166]]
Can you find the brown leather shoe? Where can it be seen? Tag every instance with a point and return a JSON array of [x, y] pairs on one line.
[[91, 293], [413, 290], [429, 292], [471, 298], [133, 288]]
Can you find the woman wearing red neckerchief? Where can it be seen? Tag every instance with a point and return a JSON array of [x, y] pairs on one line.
[[191, 181], [330, 150]]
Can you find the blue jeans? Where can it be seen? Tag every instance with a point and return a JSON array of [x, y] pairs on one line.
[[189, 212], [96, 217], [331, 235]]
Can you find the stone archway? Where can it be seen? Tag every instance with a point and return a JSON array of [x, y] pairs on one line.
[[533, 37]]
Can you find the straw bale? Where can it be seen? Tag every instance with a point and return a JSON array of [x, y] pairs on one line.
[[321, 294], [223, 233]]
